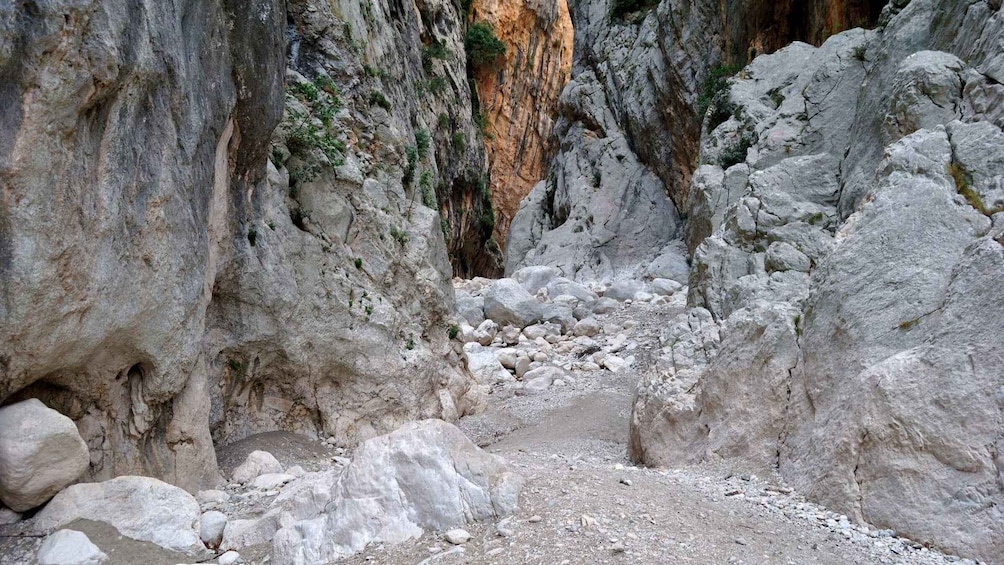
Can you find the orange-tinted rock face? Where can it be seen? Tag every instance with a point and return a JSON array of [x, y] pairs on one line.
[[519, 97]]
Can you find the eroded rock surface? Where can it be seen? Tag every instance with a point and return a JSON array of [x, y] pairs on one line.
[[846, 224], [213, 276]]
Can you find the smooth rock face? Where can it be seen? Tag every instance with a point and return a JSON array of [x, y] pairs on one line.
[[846, 263], [69, 547], [41, 452], [142, 508], [507, 302], [425, 476]]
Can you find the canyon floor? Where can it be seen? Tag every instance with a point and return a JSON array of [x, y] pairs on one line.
[[583, 501]]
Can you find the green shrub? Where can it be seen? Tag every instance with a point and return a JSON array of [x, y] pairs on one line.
[[454, 331], [398, 235], [735, 153], [484, 48], [714, 91], [621, 7], [378, 99], [428, 194], [435, 50], [444, 120], [422, 140], [411, 156], [359, 262], [459, 141]]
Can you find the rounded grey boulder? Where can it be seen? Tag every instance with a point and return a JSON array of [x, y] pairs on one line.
[[41, 453]]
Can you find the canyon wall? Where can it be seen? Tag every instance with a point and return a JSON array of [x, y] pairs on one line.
[[519, 95], [176, 270], [847, 221], [628, 128]]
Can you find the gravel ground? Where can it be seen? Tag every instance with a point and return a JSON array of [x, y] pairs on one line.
[[583, 501]]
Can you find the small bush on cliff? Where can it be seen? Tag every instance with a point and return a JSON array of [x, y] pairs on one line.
[[714, 93], [484, 48], [621, 7]]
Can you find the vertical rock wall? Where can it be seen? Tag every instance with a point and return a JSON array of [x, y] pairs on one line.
[[847, 222], [519, 96], [175, 270]]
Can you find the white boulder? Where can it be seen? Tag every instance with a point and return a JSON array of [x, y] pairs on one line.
[[41, 453], [257, 463], [69, 547], [141, 508]]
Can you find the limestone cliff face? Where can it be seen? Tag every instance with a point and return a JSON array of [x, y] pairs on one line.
[[176, 269], [850, 204], [519, 97], [637, 82]]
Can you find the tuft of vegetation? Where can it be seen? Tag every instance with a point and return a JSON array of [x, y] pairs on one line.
[[321, 102], [964, 187], [400, 236], [378, 99], [453, 332], [443, 120], [411, 157], [252, 236], [735, 153], [620, 8], [359, 262], [428, 194], [487, 219], [422, 139], [909, 324], [410, 344], [484, 48], [433, 51], [459, 141], [714, 92]]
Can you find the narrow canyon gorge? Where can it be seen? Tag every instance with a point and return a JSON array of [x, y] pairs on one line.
[[501, 281]]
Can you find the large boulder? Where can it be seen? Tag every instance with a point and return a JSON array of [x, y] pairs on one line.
[[425, 476], [141, 508], [41, 452], [257, 463], [536, 277], [507, 302], [484, 364]]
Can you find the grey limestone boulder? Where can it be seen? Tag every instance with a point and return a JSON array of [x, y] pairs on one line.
[[41, 452], [508, 302], [141, 508], [257, 463], [425, 476]]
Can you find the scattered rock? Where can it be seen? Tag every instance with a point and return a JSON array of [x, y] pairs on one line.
[[624, 290], [587, 327], [69, 547], [211, 528], [229, 558], [8, 516], [536, 518], [271, 481], [257, 463], [536, 277], [665, 287], [41, 452], [605, 305], [457, 536]]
